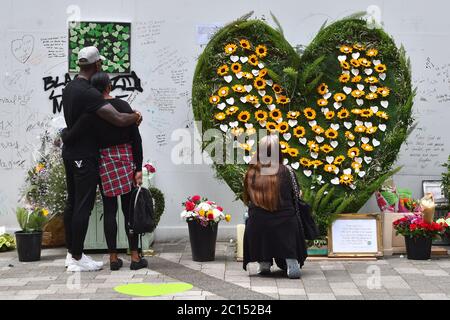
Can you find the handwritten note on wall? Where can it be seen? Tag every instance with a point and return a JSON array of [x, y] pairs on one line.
[[147, 32], [55, 46]]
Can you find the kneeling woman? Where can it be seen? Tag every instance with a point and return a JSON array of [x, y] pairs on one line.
[[272, 230], [120, 168]]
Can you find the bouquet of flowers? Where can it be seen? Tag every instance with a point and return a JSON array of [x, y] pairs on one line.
[[409, 205], [148, 172], [414, 226], [203, 211], [446, 223]]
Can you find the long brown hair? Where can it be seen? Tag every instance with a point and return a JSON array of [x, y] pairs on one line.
[[262, 182]]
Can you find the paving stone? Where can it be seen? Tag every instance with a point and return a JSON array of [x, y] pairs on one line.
[[434, 296], [321, 296]]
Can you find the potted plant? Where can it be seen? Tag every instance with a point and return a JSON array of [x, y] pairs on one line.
[[418, 235], [29, 239], [446, 223], [203, 217]]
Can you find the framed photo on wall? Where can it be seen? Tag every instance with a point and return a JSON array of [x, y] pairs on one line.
[[356, 235], [434, 187]]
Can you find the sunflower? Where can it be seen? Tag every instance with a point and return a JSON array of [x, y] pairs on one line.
[[236, 67], [272, 126], [259, 83], [360, 129], [371, 130], [244, 44], [339, 160], [276, 114], [366, 147], [343, 114], [284, 146], [339, 97], [344, 78], [299, 132], [382, 115], [356, 79], [230, 48], [309, 113], [232, 110], [371, 96], [353, 152], [318, 129], [357, 93], [345, 65], [293, 114], [238, 88], [349, 135], [356, 111], [326, 148], [267, 99], [329, 168], [316, 163], [244, 116], [223, 70], [380, 68], [261, 115], [263, 72], [237, 131], [252, 99], [305, 162], [293, 152], [283, 127], [261, 51], [245, 146], [223, 92], [322, 89], [283, 100], [346, 49], [366, 113], [371, 80], [329, 115], [372, 52], [365, 62], [384, 91], [358, 47], [220, 116], [277, 88], [253, 60], [346, 179], [214, 99], [313, 146], [247, 75], [331, 133], [355, 63], [356, 166], [322, 102]]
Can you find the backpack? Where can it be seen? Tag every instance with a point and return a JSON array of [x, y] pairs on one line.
[[142, 212]]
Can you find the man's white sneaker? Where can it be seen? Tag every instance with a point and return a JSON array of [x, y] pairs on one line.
[[83, 265], [69, 259], [97, 263]]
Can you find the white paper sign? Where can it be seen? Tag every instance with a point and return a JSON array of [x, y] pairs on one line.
[[2, 230], [355, 236]]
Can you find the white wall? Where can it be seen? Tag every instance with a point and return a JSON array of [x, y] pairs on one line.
[[158, 56]]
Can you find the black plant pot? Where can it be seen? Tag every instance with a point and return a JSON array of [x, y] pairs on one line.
[[29, 246], [203, 241], [418, 248]]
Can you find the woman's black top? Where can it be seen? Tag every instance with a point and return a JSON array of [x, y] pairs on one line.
[[106, 134], [275, 235]]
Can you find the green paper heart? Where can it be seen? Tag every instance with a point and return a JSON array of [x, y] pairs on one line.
[[73, 39], [301, 80], [73, 32], [126, 65], [126, 36], [116, 59], [76, 50], [115, 34], [116, 50], [117, 44], [126, 57], [153, 290], [82, 42], [92, 25], [105, 34], [119, 28]]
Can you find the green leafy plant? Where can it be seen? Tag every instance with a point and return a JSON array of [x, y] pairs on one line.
[[446, 180], [7, 242], [159, 203], [31, 220], [301, 78]]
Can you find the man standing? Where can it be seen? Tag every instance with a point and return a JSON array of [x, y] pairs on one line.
[[81, 157]]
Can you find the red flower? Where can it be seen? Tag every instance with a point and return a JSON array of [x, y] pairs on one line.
[[150, 168], [190, 206], [210, 216], [413, 227], [220, 209], [196, 198]]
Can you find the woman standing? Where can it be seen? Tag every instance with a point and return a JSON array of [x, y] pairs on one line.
[[272, 229], [120, 168]]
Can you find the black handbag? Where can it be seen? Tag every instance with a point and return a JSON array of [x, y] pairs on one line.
[[303, 210]]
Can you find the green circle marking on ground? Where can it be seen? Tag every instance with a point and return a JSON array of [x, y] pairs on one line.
[[152, 290]]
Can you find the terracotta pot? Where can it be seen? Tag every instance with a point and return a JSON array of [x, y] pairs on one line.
[[54, 232]]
